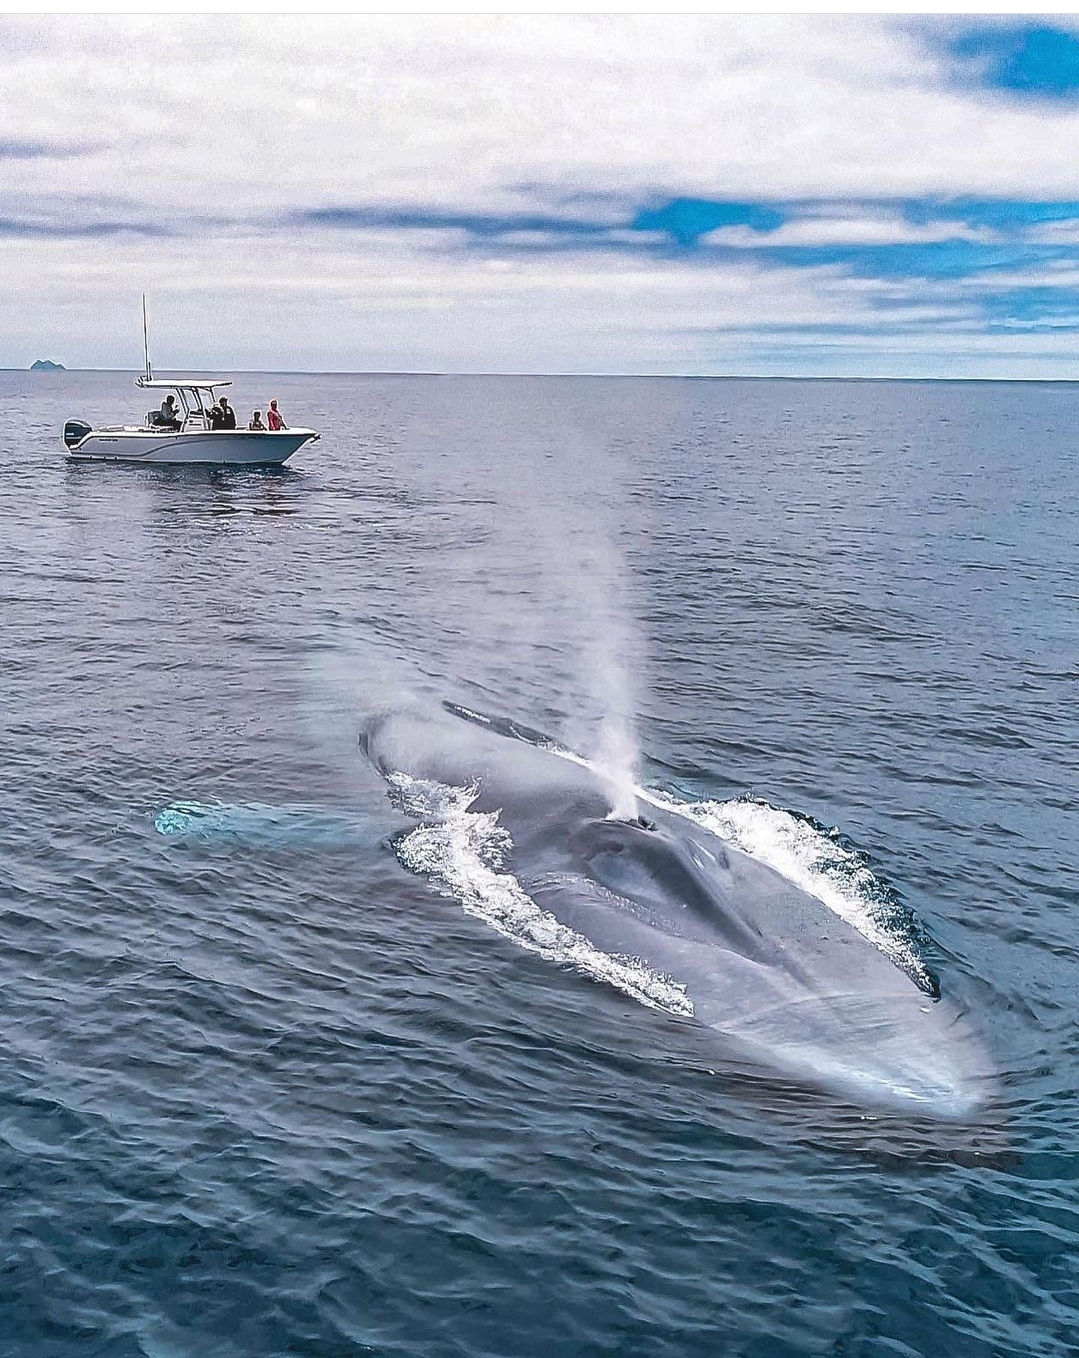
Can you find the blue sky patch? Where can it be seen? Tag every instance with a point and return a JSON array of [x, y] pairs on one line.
[[683, 221], [993, 214], [1037, 308], [686, 220], [945, 260], [1024, 59]]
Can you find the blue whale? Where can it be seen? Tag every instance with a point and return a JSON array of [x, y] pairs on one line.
[[788, 984]]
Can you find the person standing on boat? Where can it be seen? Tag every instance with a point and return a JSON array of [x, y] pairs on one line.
[[167, 416], [273, 418], [228, 415], [217, 416]]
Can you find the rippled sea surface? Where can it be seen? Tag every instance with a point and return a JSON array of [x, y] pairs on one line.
[[265, 1092]]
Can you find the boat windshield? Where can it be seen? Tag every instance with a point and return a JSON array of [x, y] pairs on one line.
[[191, 398]]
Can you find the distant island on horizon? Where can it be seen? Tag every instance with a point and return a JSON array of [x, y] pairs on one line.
[[46, 365]]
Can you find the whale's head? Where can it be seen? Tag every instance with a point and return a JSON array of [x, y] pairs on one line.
[[684, 881]]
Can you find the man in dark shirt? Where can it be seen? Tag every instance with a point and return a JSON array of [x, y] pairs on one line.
[[228, 415]]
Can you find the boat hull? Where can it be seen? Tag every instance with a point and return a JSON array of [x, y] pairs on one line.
[[210, 448]]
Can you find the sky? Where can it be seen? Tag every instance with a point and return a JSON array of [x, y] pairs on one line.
[[763, 195]]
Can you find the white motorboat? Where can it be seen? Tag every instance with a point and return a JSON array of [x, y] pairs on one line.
[[190, 440], [186, 438]]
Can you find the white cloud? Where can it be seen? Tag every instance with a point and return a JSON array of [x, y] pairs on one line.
[[298, 110], [884, 228], [1054, 233], [243, 119]]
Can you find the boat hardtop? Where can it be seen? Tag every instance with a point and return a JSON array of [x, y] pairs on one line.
[[189, 391]]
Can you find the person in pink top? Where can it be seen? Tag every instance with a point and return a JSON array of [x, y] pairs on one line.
[[273, 418]]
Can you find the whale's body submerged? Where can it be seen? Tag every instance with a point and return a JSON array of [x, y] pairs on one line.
[[788, 983]]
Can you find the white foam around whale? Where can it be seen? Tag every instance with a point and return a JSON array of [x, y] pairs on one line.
[[811, 859], [463, 852], [806, 855]]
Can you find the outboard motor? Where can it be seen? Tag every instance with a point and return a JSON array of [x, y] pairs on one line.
[[75, 431]]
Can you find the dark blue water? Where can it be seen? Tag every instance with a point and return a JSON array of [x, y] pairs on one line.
[[264, 1092]]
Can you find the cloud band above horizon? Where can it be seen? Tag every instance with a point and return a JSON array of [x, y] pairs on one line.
[[815, 196]]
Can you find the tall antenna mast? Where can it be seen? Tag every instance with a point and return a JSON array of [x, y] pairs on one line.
[[146, 342]]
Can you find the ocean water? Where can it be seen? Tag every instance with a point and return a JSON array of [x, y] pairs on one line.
[[285, 1071]]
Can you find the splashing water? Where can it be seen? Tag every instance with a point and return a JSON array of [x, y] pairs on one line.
[[463, 853], [812, 859], [799, 850]]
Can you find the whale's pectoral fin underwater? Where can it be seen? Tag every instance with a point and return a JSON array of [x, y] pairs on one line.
[[670, 912], [257, 825]]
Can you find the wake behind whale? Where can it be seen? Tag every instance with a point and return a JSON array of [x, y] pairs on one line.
[[668, 911]]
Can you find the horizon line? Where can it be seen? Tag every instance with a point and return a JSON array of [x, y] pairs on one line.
[[629, 376]]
